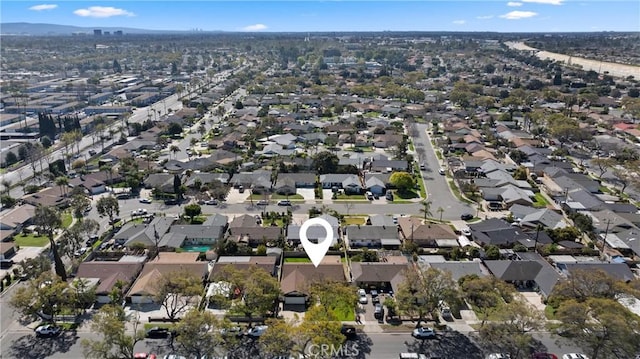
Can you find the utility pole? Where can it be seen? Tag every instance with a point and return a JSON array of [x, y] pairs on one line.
[[604, 239]]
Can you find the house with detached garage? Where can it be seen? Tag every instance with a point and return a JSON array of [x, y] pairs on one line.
[[166, 263], [296, 278]]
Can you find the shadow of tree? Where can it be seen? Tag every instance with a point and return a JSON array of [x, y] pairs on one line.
[[447, 345], [29, 346]]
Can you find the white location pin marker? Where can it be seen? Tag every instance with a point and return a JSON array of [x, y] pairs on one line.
[[316, 251]]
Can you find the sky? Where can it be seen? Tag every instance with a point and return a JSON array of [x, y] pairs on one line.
[[334, 15]]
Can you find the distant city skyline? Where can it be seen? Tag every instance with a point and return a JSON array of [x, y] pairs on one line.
[[313, 16]]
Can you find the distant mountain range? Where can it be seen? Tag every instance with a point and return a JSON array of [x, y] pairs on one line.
[[25, 28]]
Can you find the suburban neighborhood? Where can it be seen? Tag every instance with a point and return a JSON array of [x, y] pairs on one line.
[[483, 202]]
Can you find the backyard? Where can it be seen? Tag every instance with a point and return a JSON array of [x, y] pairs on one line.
[[30, 240]]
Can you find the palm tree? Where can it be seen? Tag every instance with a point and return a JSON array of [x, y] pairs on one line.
[[426, 208], [440, 210], [7, 186], [174, 149], [63, 182]]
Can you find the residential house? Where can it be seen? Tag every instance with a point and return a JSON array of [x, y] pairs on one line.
[[198, 234], [244, 220], [530, 272], [427, 234], [297, 277], [619, 271], [375, 185], [258, 181], [17, 218], [314, 233], [243, 263], [385, 276], [206, 179], [160, 181], [167, 263], [108, 273], [384, 165], [458, 269], [48, 197], [255, 236], [145, 234], [373, 237], [7, 249], [497, 232], [532, 217], [90, 183], [349, 182]]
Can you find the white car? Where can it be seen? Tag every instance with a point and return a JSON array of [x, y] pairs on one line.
[[574, 356], [145, 200], [257, 331], [465, 232], [48, 331], [498, 356], [362, 296], [423, 333]]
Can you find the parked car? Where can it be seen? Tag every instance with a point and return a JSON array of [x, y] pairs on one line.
[[465, 232], [423, 166], [144, 356], [374, 296], [48, 331], [257, 331], [574, 356], [389, 196], [174, 356], [466, 216], [158, 333], [423, 333], [211, 202], [263, 202], [285, 202], [543, 356], [362, 296], [349, 331], [233, 331], [498, 356], [92, 152], [378, 311], [369, 195], [441, 171], [6, 263], [145, 200], [80, 251], [171, 201]]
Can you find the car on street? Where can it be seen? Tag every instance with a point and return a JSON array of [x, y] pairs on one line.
[[466, 216], [211, 202], [465, 232], [6, 263], [441, 171], [423, 333], [575, 356], [257, 331], [543, 356], [92, 152], [423, 166], [80, 252], [145, 200], [144, 356], [285, 202], [263, 202], [158, 333], [48, 331]]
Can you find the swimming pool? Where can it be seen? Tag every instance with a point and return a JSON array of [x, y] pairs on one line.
[[196, 248]]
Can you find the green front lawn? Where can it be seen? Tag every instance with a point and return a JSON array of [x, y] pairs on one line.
[[354, 220], [268, 222], [344, 311], [67, 218], [352, 197], [540, 201], [406, 195], [148, 326], [297, 260], [30, 240], [292, 197]]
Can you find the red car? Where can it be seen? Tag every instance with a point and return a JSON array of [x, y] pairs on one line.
[[543, 356], [144, 356]]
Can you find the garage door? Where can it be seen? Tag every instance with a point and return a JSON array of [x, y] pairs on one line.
[[294, 300]]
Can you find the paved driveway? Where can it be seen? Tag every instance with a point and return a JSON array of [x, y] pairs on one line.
[[308, 194], [235, 196]]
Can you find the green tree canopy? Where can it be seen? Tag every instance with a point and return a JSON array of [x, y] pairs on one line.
[[403, 181]]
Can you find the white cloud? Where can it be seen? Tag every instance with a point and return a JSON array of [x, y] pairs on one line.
[[459, 22], [485, 17], [514, 3], [516, 15], [43, 7], [549, 2], [102, 12], [255, 27]]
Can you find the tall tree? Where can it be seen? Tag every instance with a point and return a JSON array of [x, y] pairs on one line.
[[325, 162], [199, 334], [108, 206], [177, 291], [403, 181], [422, 290], [256, 288], [79, 204], [48, 220], [44, 296], [192, 210], [426, 209], [111, 324]]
